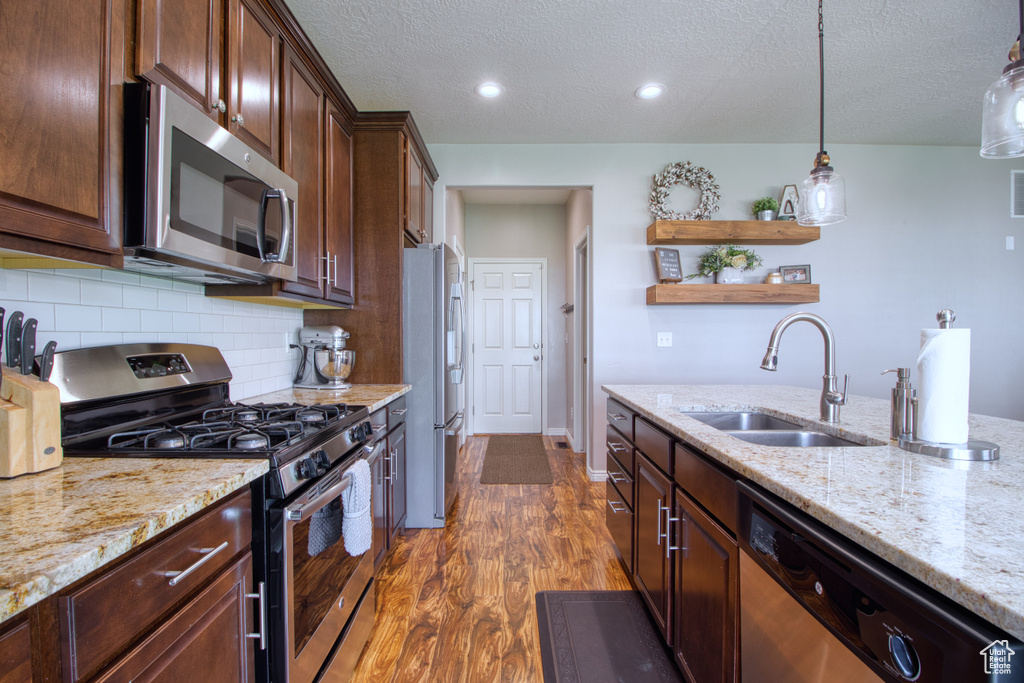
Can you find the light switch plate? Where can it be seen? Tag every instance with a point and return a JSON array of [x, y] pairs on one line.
[[664, 339]]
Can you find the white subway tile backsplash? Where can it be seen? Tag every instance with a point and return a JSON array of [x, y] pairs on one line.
[[172, 301], [100, 293], [69, 318], [155, 282], [90, 339], [137, 296], [45, 287], [122, 276], [209, 322], [186, 322], [189, 287], [13, 284], [157, 321], [122, 320]]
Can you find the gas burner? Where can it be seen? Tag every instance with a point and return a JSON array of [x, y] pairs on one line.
[[165, 439], [247, 415], [249, 441], [310, 416]]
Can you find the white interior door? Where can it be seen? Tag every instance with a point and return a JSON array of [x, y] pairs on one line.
[[508, 347]]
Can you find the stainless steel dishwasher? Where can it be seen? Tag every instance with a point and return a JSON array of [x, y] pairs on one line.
[[816, 607]]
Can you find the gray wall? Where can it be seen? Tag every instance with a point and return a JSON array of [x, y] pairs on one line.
[[926, 230], [531, 231], [578, 216]]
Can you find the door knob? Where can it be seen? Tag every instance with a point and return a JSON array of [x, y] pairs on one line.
[[536, 346], [536, 357]]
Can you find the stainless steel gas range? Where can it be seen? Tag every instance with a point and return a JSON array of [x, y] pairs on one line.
[[316, 601]]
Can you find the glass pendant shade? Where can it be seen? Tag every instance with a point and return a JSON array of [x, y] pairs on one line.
[[1002, 119], [822, 198]]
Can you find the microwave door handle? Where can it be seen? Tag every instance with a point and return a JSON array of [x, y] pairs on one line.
[[286, 226]]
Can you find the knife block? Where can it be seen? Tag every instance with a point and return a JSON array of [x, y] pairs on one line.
[[29, 425]]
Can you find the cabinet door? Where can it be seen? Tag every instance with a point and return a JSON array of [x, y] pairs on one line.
[[428, 209], [653, 498], [379, 500], [302, 159], [203, 641], [16, 655], [706, 588], [61, 114], [254, 67], [396, 447], [178, 44], [413, 193], [338, 219]]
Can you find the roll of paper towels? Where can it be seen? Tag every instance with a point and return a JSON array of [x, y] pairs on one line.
[[944, 380]]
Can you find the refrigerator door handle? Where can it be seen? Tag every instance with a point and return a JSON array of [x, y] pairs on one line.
[[456, 425], [456, 295]]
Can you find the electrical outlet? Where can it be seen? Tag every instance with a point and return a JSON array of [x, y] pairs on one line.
[[1009, 243], [664, 339]]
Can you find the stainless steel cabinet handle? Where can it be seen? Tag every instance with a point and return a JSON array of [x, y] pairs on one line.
[[399, 411], [616, 447], [618, 417], [668, 534], [379, 428], [327, 268], [336, 271], [261, 597], [616, 510], [237, 118], [660, 535], [616, 477], [207, 554]]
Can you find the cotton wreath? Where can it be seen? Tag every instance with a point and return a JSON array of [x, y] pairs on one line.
[[687, 174]]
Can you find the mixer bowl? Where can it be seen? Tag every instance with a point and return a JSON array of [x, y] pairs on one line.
[[334, 366]]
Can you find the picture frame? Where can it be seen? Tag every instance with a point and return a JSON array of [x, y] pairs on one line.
[[668, 265], [796, 275], [788, 203]]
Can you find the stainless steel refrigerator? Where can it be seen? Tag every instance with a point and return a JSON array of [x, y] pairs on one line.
[[433, 333]]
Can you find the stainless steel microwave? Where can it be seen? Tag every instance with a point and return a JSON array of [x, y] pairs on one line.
[[201, 205]]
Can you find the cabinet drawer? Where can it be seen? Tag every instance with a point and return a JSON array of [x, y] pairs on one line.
[[654, 443], [620, 448], [622, 480], [379, 422], [619, 519], [16, 655], [709, 486], [396, 412], [620, 417], [103, 616]]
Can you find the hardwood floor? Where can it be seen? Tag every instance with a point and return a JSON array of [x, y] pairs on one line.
[[457, 604]]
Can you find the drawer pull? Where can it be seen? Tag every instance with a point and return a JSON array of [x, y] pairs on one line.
[[616, 477], [618, 417], [616, 447], [616, 510], [207, 554], [399, 411], [261, 598], [379, 428]]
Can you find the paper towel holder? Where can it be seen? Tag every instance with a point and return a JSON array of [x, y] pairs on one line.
[[971, 450]]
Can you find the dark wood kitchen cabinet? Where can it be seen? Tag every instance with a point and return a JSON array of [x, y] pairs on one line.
[[706, 595], [16, 654], [62, 122], [338, 208], [653, 571], [179, 44], [253, 51], [387, 472], [397, 502]]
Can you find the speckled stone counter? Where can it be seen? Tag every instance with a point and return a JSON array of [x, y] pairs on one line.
[[954, 526], [373, 396], [60, 525]]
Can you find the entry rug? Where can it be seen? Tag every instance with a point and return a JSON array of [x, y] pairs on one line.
[[600, 637], [516, 459]]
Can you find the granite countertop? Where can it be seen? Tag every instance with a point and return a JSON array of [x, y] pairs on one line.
[[373, 396], [953, 525], [60, 525]]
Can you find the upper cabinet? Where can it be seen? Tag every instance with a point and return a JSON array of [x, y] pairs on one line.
[[179, 44], [254, 46], [419, 194], [62, 122]]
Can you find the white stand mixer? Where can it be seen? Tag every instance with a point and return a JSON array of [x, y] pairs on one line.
[[325, 363]]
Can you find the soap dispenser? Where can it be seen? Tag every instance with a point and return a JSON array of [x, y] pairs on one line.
[[904, 399]]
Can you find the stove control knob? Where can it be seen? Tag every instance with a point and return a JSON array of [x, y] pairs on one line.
[[322, 460], [904, 657], [305, 469]]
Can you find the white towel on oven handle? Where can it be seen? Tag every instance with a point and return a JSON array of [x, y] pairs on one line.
[[357, 526]]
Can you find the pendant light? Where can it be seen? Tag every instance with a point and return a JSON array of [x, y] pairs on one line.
[[823, 194], [1002, 115]]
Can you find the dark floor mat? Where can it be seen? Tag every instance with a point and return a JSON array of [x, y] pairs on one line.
[[598, 637]]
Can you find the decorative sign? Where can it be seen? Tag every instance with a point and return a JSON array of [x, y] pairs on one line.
[[669, 269], [788, 203]]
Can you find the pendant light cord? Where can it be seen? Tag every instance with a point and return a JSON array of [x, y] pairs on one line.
[[821, 81]]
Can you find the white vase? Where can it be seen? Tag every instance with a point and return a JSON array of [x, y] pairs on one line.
[[729, 276]]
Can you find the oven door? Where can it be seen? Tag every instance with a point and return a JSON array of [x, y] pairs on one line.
[[322, 582]]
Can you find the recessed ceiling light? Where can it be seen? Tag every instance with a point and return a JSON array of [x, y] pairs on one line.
[[650, 91], [488, 90]]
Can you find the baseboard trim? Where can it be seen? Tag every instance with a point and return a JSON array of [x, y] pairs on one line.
[[555, 431], [596, 475]]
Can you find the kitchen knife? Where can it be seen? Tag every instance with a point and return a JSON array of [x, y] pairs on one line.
[[46, 364], [13, 339], [28, 346]]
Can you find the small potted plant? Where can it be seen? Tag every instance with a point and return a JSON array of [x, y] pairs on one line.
[[765, 208], [727, 263]]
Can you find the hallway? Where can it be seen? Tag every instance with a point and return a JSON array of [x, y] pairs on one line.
[[457, 604]]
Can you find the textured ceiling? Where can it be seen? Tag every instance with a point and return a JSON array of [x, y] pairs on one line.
[[741, 71]]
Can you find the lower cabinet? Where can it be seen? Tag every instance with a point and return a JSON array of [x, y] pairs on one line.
[[652, 572], [397, 508], [706, 591], [387, 469], [16, 655], [619, 518]]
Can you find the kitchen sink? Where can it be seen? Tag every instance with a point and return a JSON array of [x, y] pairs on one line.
[[789, 439], [742, 421]]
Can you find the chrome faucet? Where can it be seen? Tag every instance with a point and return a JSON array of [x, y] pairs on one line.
[[831, 398]]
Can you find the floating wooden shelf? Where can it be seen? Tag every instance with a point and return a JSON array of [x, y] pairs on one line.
[[732, 294], [738, 232]]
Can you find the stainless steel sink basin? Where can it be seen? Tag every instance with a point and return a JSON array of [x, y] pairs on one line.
[[742, 421], [789, 439]]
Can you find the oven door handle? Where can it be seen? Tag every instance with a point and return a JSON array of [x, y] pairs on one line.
[[295, 513]]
